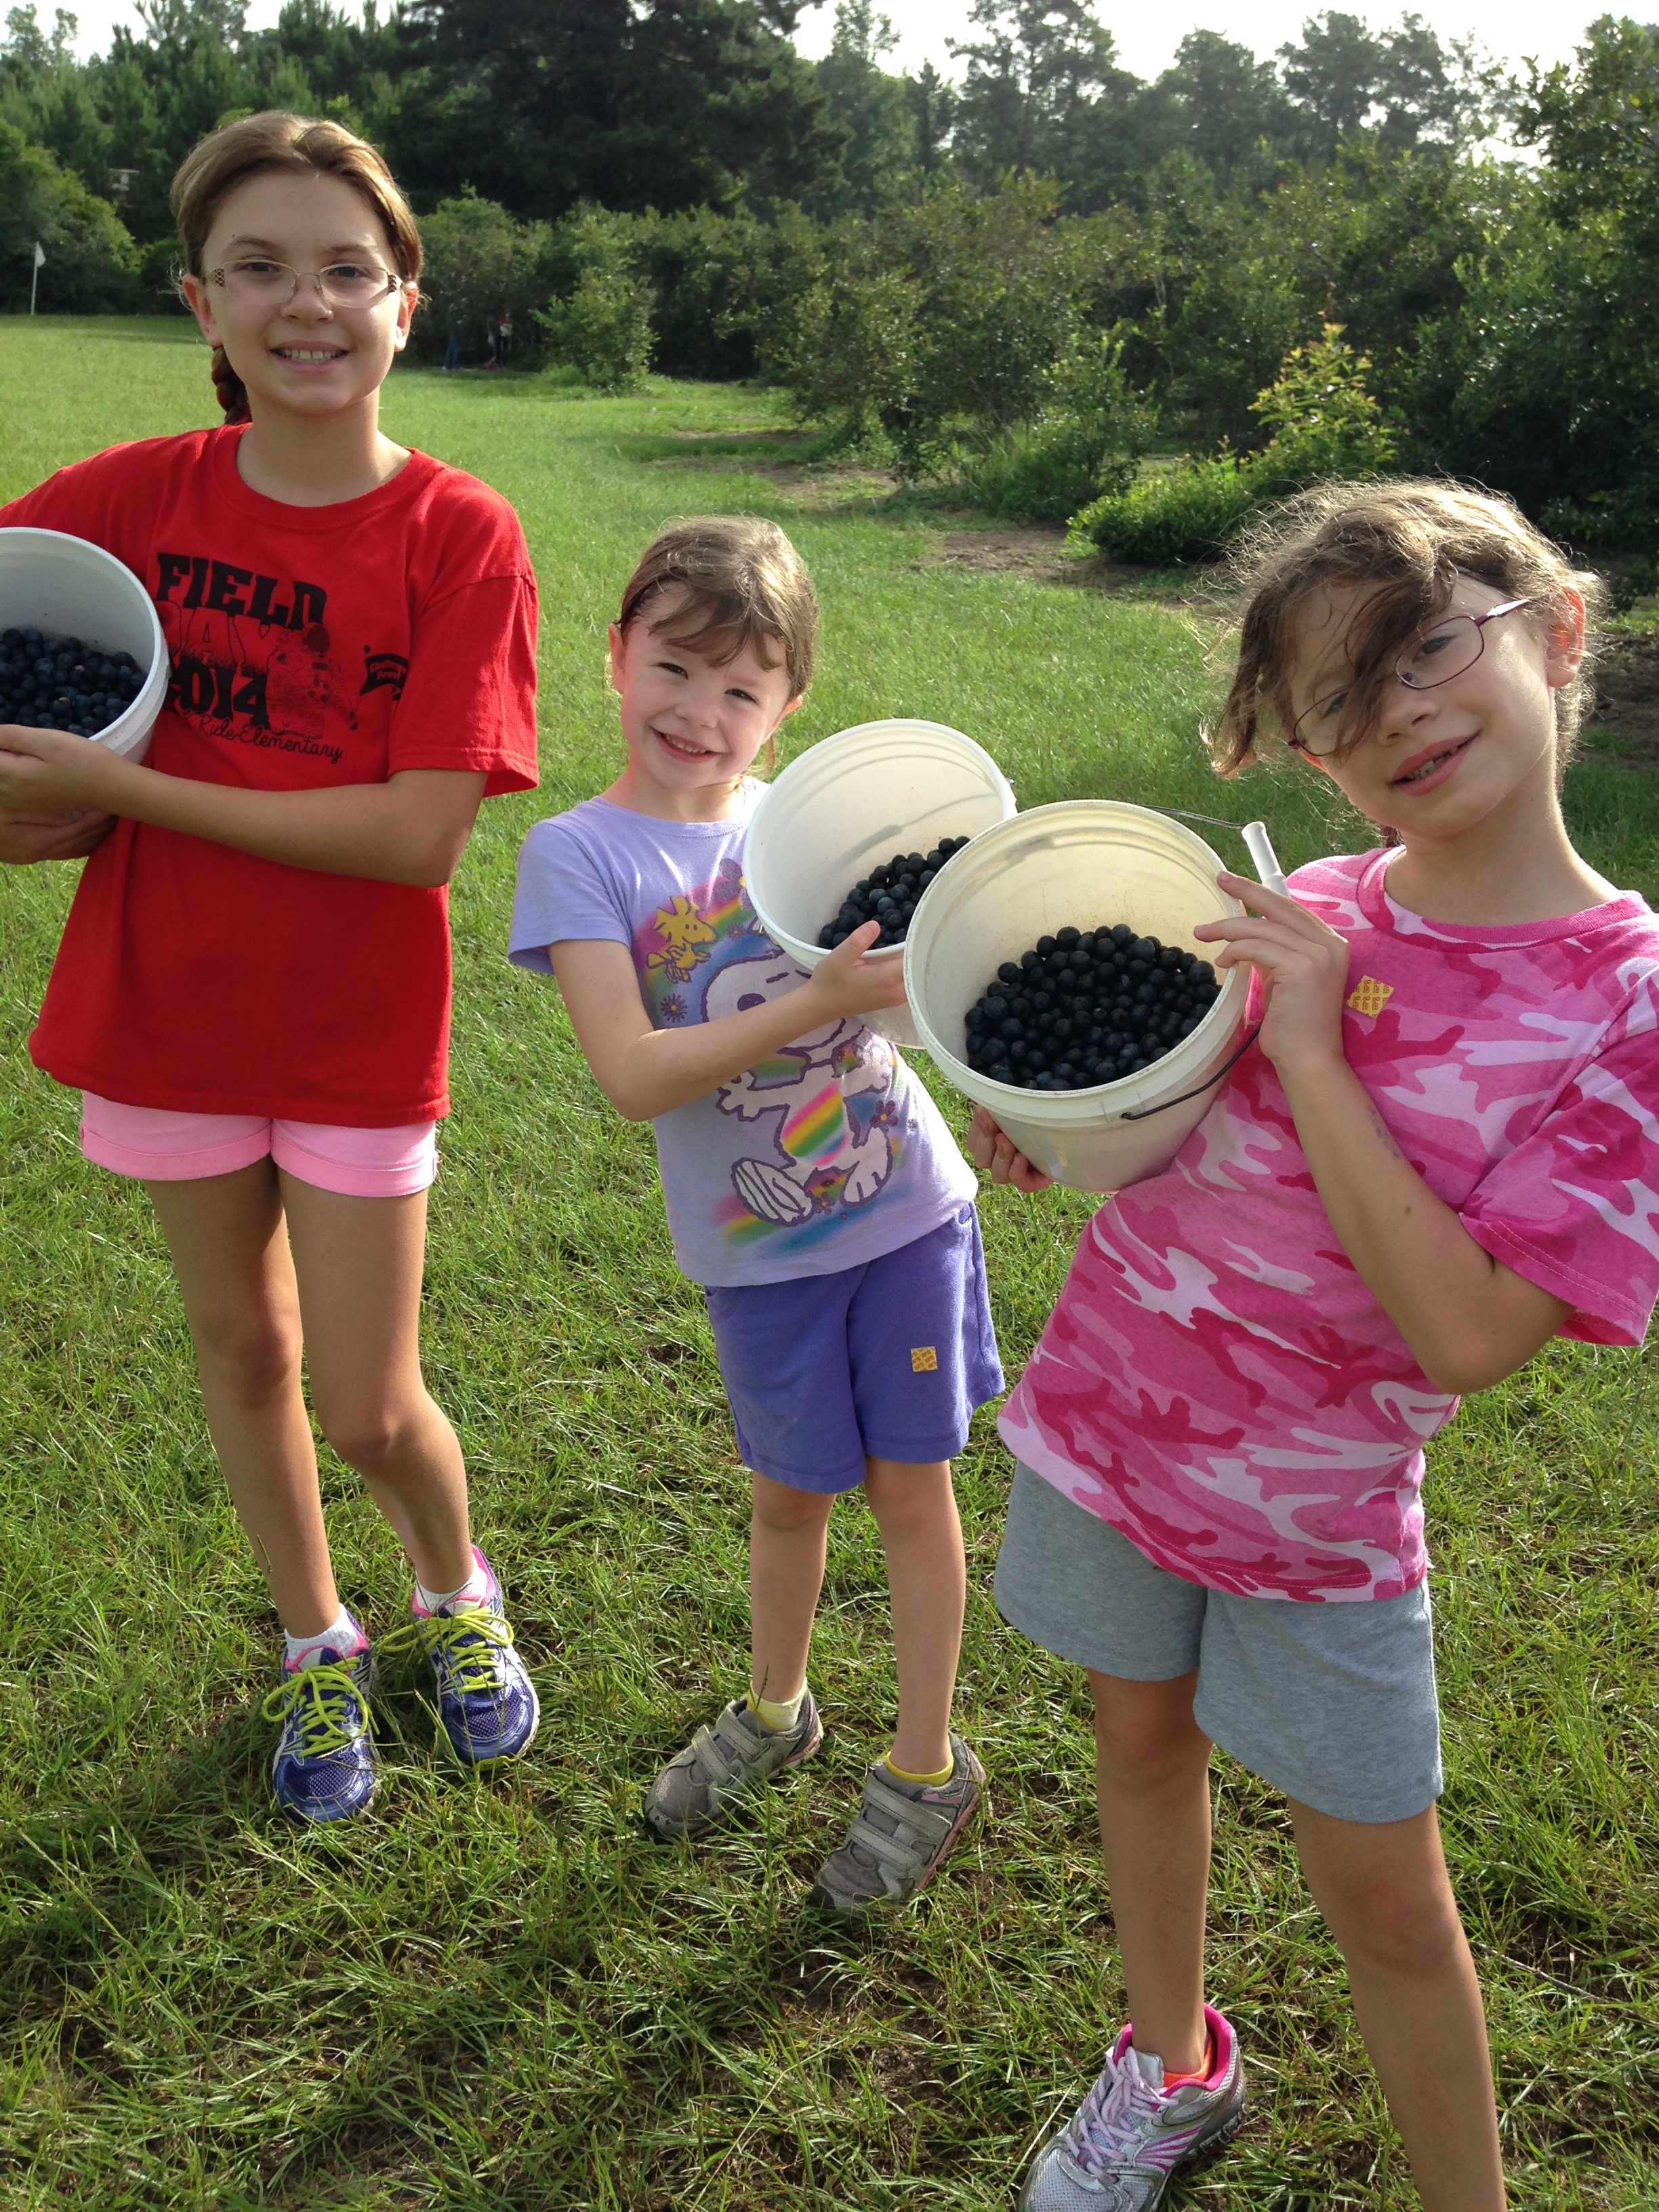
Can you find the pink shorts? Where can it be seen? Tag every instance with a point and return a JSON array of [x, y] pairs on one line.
[[159, 1146]]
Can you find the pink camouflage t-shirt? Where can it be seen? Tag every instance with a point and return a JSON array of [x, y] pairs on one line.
[[1218, 1383]]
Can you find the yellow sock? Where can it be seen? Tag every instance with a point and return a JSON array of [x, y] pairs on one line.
[[932, 1781], [777, 1716]]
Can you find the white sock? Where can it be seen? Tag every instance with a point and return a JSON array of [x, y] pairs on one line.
[[342, 1635], [473, 1591]]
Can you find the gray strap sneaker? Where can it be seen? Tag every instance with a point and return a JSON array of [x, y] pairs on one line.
[[904, 1830], [1121, 2147], [723, 1765]]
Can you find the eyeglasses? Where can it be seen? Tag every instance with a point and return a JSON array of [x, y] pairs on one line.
[[1433, 655], [256, 281]]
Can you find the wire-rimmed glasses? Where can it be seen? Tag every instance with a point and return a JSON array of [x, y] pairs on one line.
[[1431, 655], [256, 280]]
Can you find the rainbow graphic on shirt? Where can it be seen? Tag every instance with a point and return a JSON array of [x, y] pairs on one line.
[[818, 1126]]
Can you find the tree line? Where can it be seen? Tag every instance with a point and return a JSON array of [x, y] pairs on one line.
[[1024, 275]]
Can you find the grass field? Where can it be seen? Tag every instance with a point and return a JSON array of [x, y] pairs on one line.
[[503, 1995]]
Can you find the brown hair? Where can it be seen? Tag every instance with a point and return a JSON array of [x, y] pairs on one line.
[[745, 587], [277, 141], [1404, 546]]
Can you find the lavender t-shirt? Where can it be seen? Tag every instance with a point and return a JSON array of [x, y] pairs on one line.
[[826, 1155]]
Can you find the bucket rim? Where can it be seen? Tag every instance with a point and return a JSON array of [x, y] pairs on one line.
[[1235, 984]]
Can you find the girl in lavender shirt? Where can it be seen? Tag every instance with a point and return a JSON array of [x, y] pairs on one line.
[[1439, 1154]]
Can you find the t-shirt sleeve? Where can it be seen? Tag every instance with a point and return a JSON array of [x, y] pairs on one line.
[[1575, 1208], [563, 894], [469, 700]]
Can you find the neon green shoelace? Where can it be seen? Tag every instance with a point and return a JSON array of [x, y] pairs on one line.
[[332, 1708], [463, 1645]]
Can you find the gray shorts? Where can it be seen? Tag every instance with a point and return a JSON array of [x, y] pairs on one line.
[[1335, 1704]]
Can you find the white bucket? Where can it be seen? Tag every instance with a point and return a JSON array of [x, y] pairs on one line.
[[1087, 863], [51, 581], [850, 802]]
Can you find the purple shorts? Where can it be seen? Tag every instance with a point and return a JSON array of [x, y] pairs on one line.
[[884, 1361]]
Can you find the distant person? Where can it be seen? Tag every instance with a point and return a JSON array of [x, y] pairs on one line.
[[453, 348], [492, 342], [812, 1185], [503, 338], [253, 989], [1439, 1154]]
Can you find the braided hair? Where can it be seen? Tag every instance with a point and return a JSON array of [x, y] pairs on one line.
[[230, 388]]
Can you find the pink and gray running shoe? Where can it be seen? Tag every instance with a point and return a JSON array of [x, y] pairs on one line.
[[1120, 2148]]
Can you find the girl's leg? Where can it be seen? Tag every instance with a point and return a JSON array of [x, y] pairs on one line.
[[358, 1264], [788, 1532], [915, 1510], [1385, 1894], [1152, 1779], [235, 1276]]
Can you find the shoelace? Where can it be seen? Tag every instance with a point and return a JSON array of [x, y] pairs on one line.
[[331, 1707], [1110, 2126], [467, 1642]]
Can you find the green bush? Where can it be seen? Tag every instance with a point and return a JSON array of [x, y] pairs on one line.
[[601, 327], [1044, 472], [1324, 421], [90, 256], [479, 261], [1082, 445], [1176, 516]]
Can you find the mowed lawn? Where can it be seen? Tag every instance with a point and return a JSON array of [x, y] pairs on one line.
[[504, 1996]]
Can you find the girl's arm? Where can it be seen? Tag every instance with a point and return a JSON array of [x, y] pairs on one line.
[[26, 838], [1469, 1320], [645, 1071], [410, 829]]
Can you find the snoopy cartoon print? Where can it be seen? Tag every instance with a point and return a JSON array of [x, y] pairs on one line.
[[820, 1157]]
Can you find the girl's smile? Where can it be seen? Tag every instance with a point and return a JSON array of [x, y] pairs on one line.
[[694, 727]]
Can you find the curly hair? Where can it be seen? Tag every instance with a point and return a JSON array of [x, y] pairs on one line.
[[1403, 546]]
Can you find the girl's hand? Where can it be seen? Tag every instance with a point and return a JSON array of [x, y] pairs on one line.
[[845, 981], [26, 838], [51, 772], [1304, 967], [989, 1148]]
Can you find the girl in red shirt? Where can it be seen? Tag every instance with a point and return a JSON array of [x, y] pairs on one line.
[[253, 990]]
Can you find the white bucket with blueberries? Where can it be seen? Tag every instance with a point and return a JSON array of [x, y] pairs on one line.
[[857, 828], [1054, 978], [80, 648]]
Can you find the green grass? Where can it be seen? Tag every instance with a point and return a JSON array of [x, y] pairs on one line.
[[504, 1996]]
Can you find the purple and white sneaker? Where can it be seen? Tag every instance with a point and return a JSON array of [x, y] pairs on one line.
[[1120, 2148], [486, 1700], [324, 1768]]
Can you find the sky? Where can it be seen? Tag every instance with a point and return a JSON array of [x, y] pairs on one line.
[[1146, 37]]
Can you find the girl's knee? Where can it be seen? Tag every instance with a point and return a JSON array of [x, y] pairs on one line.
[[1401, 1925], [369, 1432], [1144, 1732], [904, 1497], [253, 1357], [784, 1511]]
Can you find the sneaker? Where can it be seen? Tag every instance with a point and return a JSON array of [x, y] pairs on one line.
[[902, 1832], [723, 1765], [1118, 2149], [486, 1700], [324, 1768]]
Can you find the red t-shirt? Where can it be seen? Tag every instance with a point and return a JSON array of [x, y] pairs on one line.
[[311, 648]]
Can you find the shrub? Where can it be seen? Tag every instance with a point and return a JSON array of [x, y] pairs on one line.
[[1176, 516], [479, 261], [89, 253], [601, 327], [1324, 421], [1083, 445]]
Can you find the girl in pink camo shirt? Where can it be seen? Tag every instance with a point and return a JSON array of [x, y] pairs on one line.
[[1441, 1151]]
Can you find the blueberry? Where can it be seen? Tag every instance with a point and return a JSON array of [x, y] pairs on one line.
[[1045, 945], [1066, 938], [1202, 972]]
